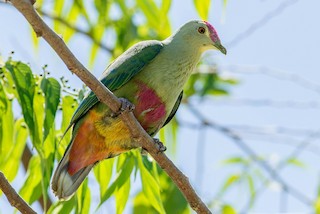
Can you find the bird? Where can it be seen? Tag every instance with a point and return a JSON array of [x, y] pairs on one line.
[[150, 75]]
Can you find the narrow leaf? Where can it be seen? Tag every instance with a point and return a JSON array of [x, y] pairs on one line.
[[84, 198], [122, 195], [202, 7], [103, 174], [150, 187], [31, 189], [123, 176], [51, 89], [11, 165]]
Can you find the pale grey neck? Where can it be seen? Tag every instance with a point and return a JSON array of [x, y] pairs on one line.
[[184, 58]]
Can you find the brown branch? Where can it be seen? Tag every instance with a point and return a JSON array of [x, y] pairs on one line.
[[105, 96], [13, 197]]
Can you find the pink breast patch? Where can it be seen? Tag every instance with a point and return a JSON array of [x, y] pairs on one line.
[[150, 110]]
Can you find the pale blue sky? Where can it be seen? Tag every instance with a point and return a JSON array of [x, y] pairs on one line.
[[285, 48]]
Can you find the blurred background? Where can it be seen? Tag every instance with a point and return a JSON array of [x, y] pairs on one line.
[[247, 133]]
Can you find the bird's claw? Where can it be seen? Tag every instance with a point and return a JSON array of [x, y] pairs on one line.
[[161, 148], [126, 106]]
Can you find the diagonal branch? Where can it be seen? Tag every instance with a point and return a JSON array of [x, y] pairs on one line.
[[13, 197], [106, 96]]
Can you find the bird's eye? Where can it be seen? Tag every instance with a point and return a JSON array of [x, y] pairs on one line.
[[201, 30]]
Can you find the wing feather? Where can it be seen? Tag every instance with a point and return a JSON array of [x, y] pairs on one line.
[[174, 109], [124, 68]]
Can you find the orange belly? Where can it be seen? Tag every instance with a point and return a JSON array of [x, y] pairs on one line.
[[97, 139]]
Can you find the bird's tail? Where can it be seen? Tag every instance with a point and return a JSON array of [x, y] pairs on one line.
[[63, 184]]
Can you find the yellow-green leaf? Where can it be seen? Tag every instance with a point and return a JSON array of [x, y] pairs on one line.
[[51, 89], [84, 198], [11, 165], [103, 174], [122, 195], [31, 189], [227, 209], [150, 187], [203, 7]]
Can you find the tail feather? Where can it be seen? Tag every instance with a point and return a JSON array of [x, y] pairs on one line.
[[63, 184]]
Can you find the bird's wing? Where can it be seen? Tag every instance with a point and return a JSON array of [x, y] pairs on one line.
[[121, 71], [174, 109]]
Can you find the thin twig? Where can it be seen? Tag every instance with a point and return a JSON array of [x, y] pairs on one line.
[[76, 29], [106, 96], [244, 147], [261, 22], [277, 74], [13, 197], [290, 104], [294, 154]]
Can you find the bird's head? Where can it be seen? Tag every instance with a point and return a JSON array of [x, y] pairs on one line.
[[201, 34]]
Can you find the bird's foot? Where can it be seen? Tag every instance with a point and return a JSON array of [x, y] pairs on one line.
[[126, 106], [161, 148]]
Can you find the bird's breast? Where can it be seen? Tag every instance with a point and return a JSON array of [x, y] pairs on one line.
[[150, 109]]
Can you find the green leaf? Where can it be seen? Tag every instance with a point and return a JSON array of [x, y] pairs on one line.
[[150, 187], [169, 134], [103, 174], [296, 162], [123, 176], [39, 110], [25, 85], [72, 17], [121, 196], [225, 2], [58, 10], [3, 100], [69, 105], [3, 110], [31, 189], [173, 200], [7, 128], [166, 4], [150, 10], [235, 160], [232, 179], [51, 89], [317, 201], [98, 33], [252, 189], [11, 166], [84, 198], [62, 207], [142, 205], [228, 209], [202, 7], [34, 38]]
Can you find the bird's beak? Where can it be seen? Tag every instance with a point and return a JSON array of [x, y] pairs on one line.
[[220, 48]]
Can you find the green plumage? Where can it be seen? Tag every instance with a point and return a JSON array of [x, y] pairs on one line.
[[151, 75], [121, 71]]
